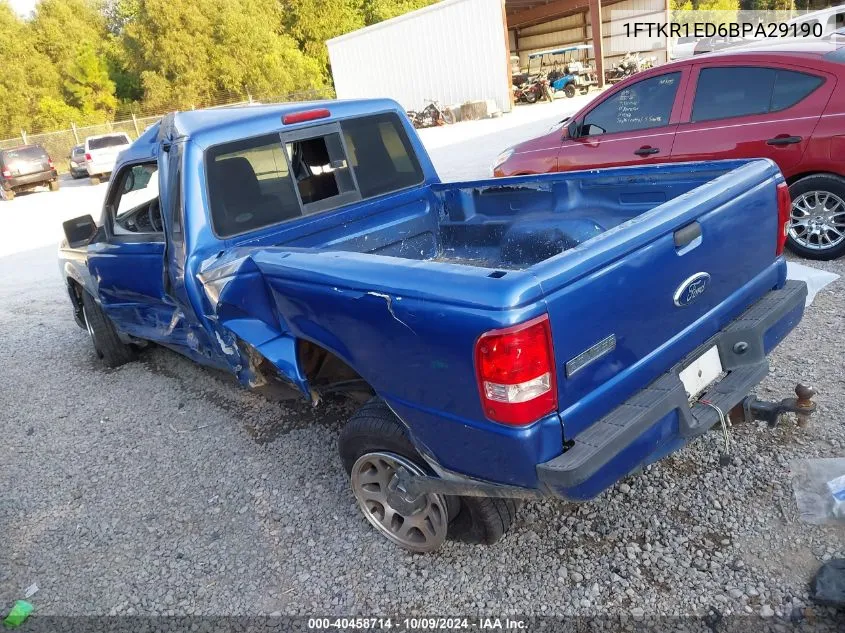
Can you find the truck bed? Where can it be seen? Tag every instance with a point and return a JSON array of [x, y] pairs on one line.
[[530, 219]]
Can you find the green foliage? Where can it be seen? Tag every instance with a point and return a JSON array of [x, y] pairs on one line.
[[28, 78], [89, 61], [378, 10]]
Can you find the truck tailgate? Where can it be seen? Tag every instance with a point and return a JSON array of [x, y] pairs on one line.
[[636, 300]]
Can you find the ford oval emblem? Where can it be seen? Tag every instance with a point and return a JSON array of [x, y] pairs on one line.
[[691, 289]]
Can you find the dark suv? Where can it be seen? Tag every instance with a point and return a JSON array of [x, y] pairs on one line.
[[24, 168]]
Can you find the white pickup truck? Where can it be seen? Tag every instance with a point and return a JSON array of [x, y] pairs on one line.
[[101, 153]]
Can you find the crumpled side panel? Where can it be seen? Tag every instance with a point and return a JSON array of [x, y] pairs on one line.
[[241, 311]]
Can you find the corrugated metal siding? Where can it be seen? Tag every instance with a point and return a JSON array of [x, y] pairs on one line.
[[575, 29], [454, 51], [614, 41]]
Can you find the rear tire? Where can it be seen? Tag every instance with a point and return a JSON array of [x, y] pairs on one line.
[[483, 520], [54, 185], [820, 197], [448, 117], [530, 97], [569, 90], [375, 429], [107, 345]]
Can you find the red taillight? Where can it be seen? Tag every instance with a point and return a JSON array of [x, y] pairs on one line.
[[87, 156], [784, 213], [305, 115], [516, 372], [50, 161], [7, 173]]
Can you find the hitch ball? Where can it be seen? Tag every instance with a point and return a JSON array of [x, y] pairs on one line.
[[805, 401]]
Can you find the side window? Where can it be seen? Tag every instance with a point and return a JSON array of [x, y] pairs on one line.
[[380, 154], [249, 185], [645, 104], [791, 87], [722, 93], [135, 204], [744, 91]]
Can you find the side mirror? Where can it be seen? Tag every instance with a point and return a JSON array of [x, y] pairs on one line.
[[574, 129], [79, 231]]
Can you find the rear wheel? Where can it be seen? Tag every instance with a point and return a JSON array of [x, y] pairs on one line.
[[531, 96], [569, 90], [447, 115], [374, 448], [817, 220], [107, 345], [54, 185]]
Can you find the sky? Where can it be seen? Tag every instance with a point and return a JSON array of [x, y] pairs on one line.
[[23, 7]]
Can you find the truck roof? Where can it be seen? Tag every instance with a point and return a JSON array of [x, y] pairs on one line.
[[218, 125], [201, 123]]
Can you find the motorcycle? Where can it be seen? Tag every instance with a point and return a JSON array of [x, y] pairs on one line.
[[431, 115], [533, 90], [629, 65]]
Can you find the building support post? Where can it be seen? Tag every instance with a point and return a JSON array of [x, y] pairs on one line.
[[509, 73], [598, 53]]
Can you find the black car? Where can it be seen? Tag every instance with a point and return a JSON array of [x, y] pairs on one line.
[[76, 162], [24, 168]]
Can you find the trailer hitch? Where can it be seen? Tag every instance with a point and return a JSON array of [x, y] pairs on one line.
[[770, 412]]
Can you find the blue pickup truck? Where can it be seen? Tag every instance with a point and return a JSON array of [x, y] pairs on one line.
[[529, 336]]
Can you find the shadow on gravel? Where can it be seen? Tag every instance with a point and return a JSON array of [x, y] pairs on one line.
[[262, 419]]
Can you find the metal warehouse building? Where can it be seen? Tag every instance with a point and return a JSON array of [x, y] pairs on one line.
[[456, 51]]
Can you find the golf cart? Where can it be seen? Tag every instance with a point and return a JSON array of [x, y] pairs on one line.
[[570, 69]]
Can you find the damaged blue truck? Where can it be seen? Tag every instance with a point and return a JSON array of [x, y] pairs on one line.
[[510, 338]]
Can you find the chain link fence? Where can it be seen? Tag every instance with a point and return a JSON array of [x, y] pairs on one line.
[[59, 143]]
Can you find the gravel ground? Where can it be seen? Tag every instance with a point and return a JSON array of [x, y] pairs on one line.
[[163, 488]]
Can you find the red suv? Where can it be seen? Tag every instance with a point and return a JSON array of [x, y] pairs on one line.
[[760, 100]]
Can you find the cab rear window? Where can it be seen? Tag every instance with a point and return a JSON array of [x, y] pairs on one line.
[[259, 182], [108, 141], [24, 153]]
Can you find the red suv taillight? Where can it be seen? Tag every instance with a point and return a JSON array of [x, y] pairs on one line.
[[516, 372], [7, 173], [87, 156], [784, 213], [50, 161]]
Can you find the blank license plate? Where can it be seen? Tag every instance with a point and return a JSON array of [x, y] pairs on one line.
[[701, 372]]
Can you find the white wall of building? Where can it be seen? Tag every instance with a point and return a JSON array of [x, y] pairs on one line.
[[453, 51]]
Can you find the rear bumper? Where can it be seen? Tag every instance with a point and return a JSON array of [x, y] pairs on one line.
[[37, 178], [658, 419], [100, 167]]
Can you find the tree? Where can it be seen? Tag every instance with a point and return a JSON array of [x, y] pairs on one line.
[[189, 55], [28, 77], [89, 87], [73, 35], [312, 22], [379, 10]]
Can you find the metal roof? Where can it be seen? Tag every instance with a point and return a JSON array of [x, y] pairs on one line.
[[558, 51]]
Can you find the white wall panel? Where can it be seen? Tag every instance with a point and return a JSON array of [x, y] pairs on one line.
[[453, 51]]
